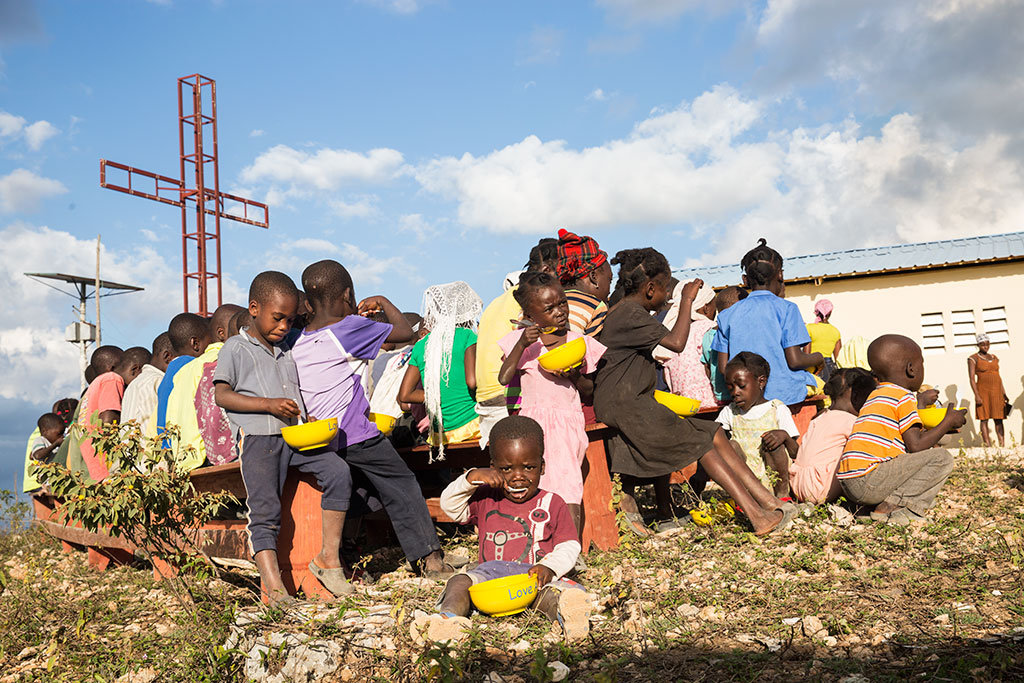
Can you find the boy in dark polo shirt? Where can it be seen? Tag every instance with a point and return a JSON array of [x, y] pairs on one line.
[[256, 384]]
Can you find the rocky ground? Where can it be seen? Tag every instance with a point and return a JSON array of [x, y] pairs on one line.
[[832, 598]]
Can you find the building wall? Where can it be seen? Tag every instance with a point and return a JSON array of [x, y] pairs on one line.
[[876, 305]]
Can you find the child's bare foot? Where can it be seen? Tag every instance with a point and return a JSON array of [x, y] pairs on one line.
[[765, 523]]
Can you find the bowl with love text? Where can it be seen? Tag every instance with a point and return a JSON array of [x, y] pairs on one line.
[[385, 423], [311, 435], [564, 357], [680, 405], [504, 596]]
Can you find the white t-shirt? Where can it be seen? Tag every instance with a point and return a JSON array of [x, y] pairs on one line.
[[783, 417]]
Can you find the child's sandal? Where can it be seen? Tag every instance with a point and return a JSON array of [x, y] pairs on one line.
[[636, 524]]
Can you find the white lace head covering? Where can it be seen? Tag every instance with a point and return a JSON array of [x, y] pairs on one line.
[[445, 307]]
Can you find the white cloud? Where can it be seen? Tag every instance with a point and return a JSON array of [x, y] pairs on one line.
[[597, 95], [295, 255], [22, 190], [149, 235], [38, 133], [292, 172], [34, 134], [676, 166], [257, 133], [636, 11], [955, 63], [542, 46], [36, 362], [399, 6], [712, 169], [360, 208], [10, 124]]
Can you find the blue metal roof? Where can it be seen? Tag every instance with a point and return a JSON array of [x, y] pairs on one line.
[[874, 260]]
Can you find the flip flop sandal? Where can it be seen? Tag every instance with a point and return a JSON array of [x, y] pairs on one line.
[[332, 579], [789, 513], [667, 526], [636, 524], [573, 613], [905, 517], [881, 516]]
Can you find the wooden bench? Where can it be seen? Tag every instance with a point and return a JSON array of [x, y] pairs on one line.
[[599, 523], [300, 536]]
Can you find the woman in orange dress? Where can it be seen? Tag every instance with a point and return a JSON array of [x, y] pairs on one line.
[[989, 396]]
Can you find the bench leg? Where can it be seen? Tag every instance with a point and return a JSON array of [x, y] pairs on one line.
[[300, 538], [599, 525], [101, 558]]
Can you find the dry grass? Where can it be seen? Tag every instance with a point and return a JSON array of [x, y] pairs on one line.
[[820, 601]]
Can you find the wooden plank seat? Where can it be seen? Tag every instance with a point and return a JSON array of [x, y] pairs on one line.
[[300, 536], [599, 524]]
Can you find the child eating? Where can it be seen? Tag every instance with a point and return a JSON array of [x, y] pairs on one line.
[[255, 385], [331, 355], [890, 461], [552, 399], [812, 476], [522, 529], [652, 442], [762, 431]]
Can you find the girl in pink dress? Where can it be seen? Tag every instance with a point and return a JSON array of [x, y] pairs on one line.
[[812, 476], [685, 374], [552, 399]]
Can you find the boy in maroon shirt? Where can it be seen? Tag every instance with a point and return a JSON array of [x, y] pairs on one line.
[[522, 529]]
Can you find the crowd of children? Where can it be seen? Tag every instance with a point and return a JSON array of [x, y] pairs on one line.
[[220, 389]]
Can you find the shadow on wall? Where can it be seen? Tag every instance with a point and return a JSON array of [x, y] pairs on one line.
[[969, 435]]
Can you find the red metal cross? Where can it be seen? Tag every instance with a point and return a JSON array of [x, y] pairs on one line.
[[199, 200]]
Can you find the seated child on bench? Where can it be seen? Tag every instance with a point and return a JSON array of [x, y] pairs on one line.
[[255, 384], [522, 529]]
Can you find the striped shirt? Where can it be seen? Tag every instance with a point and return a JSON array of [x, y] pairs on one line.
[[586, 313], [878, 432]]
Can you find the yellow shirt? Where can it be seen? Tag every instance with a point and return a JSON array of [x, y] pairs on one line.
[[494, 324], [823, 338], [29, 481], [181, 410]]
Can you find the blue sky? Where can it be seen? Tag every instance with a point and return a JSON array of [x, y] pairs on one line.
[[421, 142]]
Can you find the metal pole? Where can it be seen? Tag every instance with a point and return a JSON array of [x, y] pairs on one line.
[[99, 335], [83, 346]]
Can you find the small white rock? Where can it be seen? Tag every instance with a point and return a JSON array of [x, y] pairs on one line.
[[559, 671]]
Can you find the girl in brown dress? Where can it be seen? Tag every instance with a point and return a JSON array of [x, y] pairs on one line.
[[989, 396], [651, 441]]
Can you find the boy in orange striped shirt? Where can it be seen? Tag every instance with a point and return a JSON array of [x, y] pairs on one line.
[[890, 461]]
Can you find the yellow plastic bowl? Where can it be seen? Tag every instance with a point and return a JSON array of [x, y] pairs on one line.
[[680, 405], [505, 596], [931, 417], [306, 437], [568, 355], [385, 423]]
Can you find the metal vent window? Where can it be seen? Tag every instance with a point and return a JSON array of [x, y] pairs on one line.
[[994, 325], [933, 333]]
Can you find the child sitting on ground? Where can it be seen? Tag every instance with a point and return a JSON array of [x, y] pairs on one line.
[[890, 461], [651, 441], [521, 528], [552, 399], [762, 431], [255, 384], [331, 355], [445, 362], [769, 326], [812, 475]]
